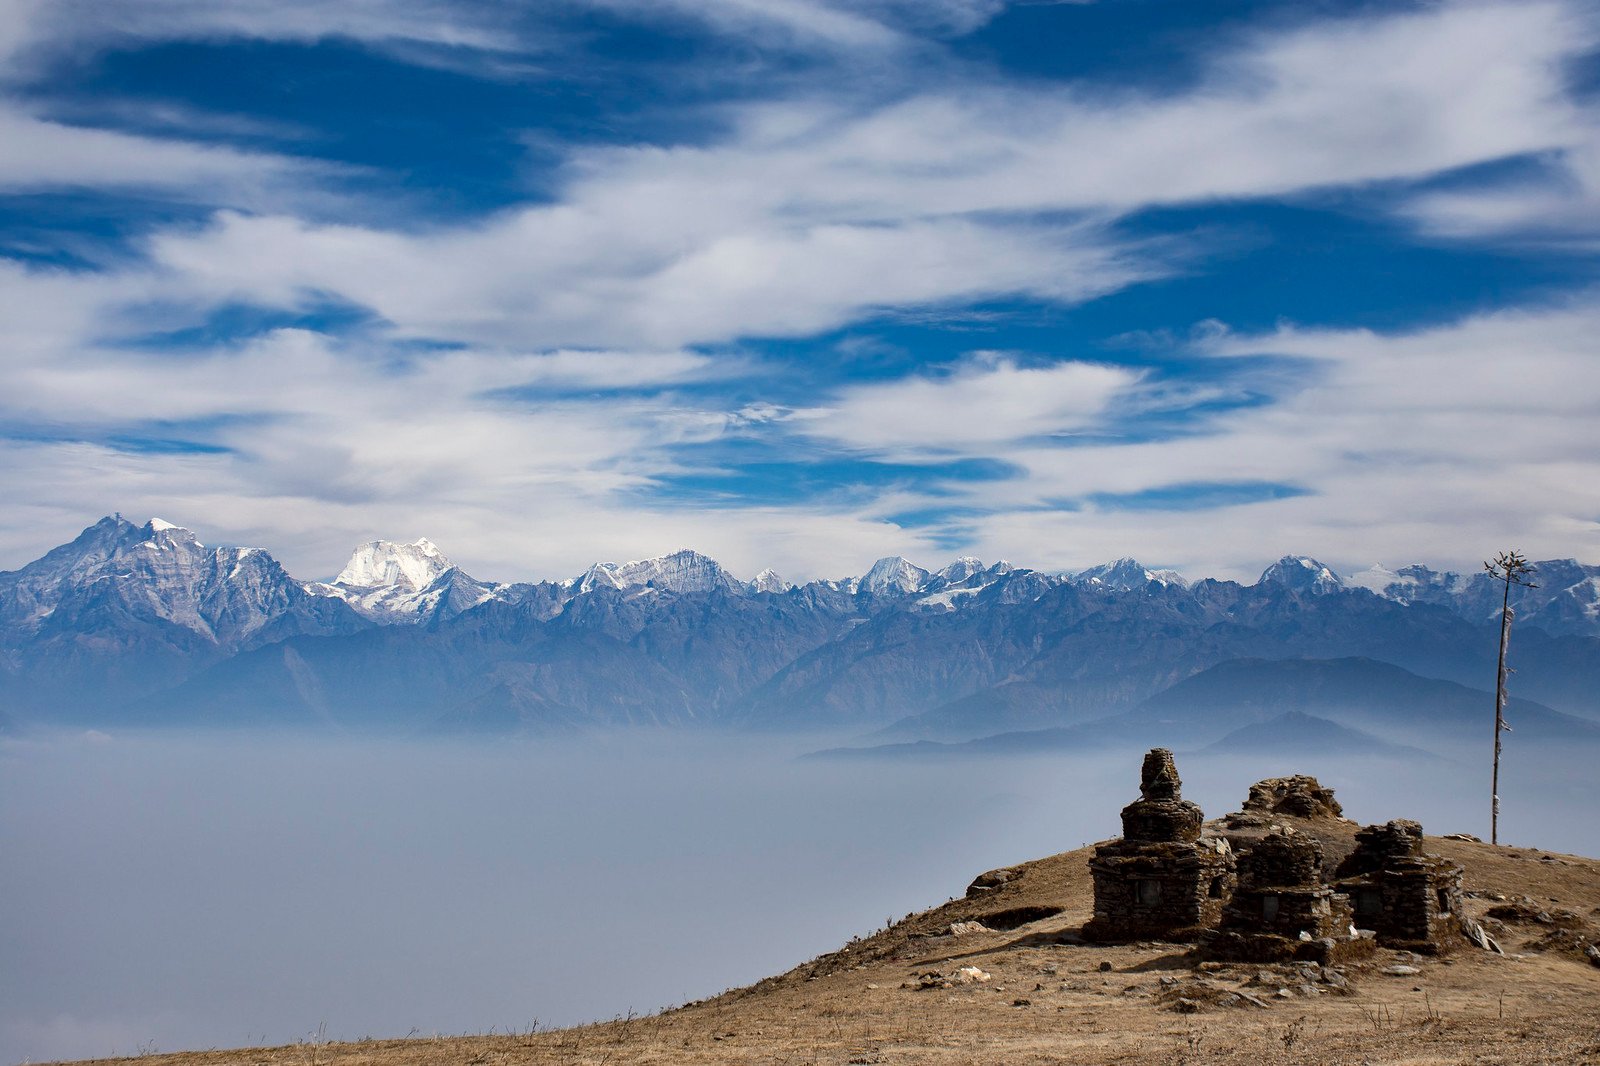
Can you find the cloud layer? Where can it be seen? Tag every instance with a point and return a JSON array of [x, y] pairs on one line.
[[540, 385]]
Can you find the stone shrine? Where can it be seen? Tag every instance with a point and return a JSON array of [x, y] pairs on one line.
[[1281, 909], [1163, 879], [1409, 899]]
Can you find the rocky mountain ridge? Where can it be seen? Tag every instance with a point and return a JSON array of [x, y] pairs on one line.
[[146, 623]]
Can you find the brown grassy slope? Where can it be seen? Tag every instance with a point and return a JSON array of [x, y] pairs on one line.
[[1048, 999]]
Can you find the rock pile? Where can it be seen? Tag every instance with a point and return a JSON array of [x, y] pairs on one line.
[[1298, 796]]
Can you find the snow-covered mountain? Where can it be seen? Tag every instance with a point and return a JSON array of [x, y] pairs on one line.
[[390, 582], [892, 576], [682, 571], [963, 569], [962, 582], [1411, 584], [129, 612], [769, 581], [1125, 574], [1301, 574], [159, 571], [1566, 598], [386, 563]]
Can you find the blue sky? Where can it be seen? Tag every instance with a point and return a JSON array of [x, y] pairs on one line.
[[801, 283]]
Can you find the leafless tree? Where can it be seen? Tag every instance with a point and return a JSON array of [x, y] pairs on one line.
[[1513, 569]]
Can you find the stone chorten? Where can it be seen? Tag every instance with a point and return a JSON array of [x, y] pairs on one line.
[[1409, 899], [1281, 909], [1162, 880]]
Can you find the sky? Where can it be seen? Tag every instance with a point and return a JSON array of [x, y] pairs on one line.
[[800, 284]]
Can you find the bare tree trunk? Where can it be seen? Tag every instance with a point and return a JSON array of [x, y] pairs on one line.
[[1500, 712], [1513, 569]]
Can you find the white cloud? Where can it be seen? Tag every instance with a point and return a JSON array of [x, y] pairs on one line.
[[582, 275], [811, 215], [988, 400], [1441, 445], [64, 25], [783, 22], [42, 154], [1558, 204], [840, 25]]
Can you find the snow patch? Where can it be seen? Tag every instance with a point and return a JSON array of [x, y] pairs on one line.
[[1378, 578], [949, 597]]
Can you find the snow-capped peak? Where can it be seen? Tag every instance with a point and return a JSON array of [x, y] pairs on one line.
[[383, 562], [1125, 574], [1302, 573], [769, 581], [960, 570], [893, 574], [161, 534], [1412, 584], [1377, 578], [682, 571]]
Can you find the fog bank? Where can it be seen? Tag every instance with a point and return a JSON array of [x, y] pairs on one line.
[[185, 892]]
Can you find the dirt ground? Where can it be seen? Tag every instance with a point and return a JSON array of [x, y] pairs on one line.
[[1042, 996]]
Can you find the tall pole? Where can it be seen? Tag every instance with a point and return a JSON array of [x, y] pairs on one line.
[[1514, 569], [1500, 709]]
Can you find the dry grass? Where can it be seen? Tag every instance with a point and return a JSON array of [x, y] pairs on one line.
[[1049, 1000]]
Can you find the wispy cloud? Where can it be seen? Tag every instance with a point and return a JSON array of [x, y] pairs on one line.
[[66, 25], [1407, 440], [808, 216], [47, 155], [540, 374], [985, 401], [1554, 204]]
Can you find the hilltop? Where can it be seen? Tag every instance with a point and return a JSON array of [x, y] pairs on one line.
[[1003, 974]]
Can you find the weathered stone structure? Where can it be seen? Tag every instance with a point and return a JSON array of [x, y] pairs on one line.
[[1281, 908], [1299, 796], [1256, 886], [1409, 899], [1279, 801], [1162, 880]]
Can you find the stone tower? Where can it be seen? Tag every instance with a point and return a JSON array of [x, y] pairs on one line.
[[1162, 880]]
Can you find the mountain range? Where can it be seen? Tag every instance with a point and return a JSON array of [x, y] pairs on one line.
[[143, 625]]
